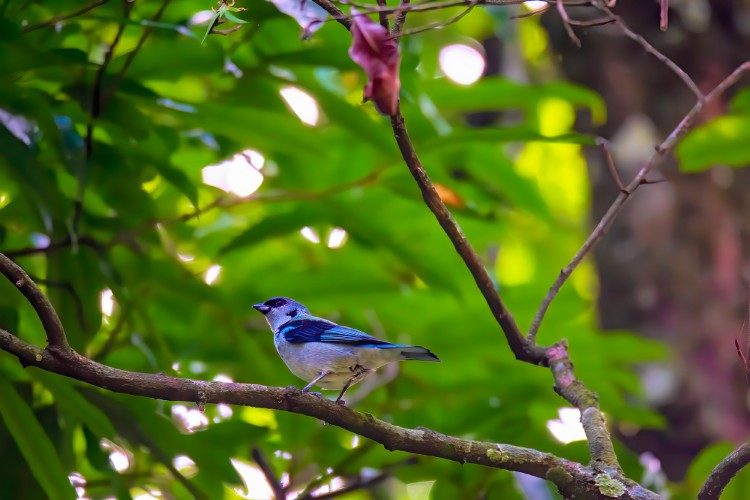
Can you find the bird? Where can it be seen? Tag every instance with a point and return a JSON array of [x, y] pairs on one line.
[[328, 355]]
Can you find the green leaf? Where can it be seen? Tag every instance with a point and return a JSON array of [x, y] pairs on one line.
[[276, 225], [499, 93], [504, 134], [180, 180], [211, 25], [35, 445], [704, 463], [741, 101], [228, 15], [71, 402], [723, 141]]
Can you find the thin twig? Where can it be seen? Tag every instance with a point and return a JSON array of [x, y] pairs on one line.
[[743, 351], [439, 24], [361, 483], [604, 144], [652, 50], [131, 56], [271, 479], [62, 17], [664, 15], [591, 22], [724, 472], [71, 291], [96, 106], [227, 31], [112, 336], [338, 469], [219, 202], [398, 24], [662, 150], [382, 15], [57, 245], [345, 19], [518, 345], [566, 23]]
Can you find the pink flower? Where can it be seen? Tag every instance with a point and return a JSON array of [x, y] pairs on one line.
[[379, 57]]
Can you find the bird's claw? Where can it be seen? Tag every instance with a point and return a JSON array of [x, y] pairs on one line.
[[341, 402]]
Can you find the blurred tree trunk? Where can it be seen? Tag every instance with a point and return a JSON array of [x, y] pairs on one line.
[[674, 266]]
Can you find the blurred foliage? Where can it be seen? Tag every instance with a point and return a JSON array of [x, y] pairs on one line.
[[117, 192], [721, 141]]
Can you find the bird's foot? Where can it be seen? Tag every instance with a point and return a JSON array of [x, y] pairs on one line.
[[341, 402], [314, 393]]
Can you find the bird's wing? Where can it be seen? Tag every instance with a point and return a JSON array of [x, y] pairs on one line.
[[299, 331]]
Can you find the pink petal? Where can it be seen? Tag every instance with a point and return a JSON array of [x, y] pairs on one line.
[[379, 57]]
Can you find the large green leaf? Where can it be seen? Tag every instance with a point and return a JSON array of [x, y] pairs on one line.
[[71, 402], [498, 93], [34, 443], [723, 141]]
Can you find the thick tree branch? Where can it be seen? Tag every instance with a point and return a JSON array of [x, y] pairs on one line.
[[602, 452], [571, 478], [662, 151], [724, 472]]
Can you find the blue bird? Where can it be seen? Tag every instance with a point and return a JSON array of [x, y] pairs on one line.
[[325, 354]]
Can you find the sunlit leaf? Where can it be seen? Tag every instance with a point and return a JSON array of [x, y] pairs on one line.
[[723, 141]]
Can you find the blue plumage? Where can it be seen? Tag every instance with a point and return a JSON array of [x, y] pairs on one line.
[[326, 354], [299, 331]]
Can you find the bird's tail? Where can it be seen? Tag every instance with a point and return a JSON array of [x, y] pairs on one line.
[[417, 353]]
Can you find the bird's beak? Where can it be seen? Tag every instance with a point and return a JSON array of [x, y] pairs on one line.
[[261, 308]]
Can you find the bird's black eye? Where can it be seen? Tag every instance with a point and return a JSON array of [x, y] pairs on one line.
[[275, 302], [292, 313]]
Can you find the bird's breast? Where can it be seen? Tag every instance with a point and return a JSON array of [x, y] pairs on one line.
[[309, 359]]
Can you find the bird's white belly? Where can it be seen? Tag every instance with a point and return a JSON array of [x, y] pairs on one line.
[[310, 359]]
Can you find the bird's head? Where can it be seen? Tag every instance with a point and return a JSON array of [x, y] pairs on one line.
[[279, 310]]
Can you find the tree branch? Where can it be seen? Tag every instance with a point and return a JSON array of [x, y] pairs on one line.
[[518, 345], [62, 17], [662, 150], [271, 479], [602, 452], [44, 309], [57, 245], [600, 444], [131, 56], [724, 472], [651, 50], [361, 482], [566, 23], [405, 7], [571, 478]]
